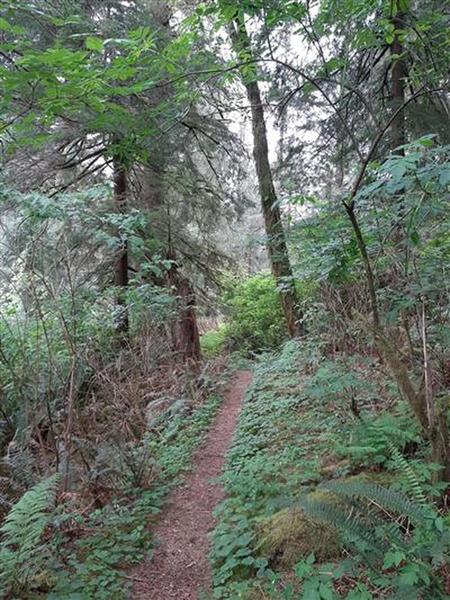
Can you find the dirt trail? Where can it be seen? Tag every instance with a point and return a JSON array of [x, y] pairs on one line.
[[180, 568]]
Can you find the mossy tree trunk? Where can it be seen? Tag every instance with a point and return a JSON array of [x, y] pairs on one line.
[[399, 73], [433, 422], [276, 239]]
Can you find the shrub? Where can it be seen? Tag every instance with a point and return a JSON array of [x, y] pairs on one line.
[[401, 537], [214, 341], [369, 442], [256, 317]]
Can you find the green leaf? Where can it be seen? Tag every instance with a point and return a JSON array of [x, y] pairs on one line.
[[409, 575], [360, 592], [303, 569], [230, 11], [393, 559], [439, 524], [398, 170], [61, 22], [326, 591], [94, 43], [5, 26]]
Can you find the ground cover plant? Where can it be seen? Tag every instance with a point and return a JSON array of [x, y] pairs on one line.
[[88, 554], [338, 511]]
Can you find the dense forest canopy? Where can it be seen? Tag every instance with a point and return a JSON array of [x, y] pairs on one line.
[[186, 187]]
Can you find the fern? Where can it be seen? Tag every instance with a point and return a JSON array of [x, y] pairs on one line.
[[385, 498], [19, 464], [352, 521], [20, 549], [401, 464], [367, 514], [354, 517]]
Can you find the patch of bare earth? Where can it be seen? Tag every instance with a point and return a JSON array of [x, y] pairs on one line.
[[180, 568]]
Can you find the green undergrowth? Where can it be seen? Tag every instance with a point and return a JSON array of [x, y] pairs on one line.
[[88, 555], [122, 538], [284, 531], [213, 342]]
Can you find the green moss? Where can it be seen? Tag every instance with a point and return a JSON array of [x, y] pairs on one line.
[[289, 535]]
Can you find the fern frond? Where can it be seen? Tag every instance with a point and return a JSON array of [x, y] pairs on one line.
[[386, 498], [22, 532], [401, 464], [348, 520]]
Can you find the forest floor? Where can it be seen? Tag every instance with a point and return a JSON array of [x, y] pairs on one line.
[[180, 566]]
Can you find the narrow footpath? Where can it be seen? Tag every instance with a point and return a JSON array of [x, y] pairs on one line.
[[180, 567]]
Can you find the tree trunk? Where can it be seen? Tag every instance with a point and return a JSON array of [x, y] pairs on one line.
[[276, 240], [185, 333], [434, 428], [188, 338], [398, 74], [440, 442], [121, 266], [434, 423]]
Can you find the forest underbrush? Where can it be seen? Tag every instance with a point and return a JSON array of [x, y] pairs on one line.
[[75, 530], [331, 492]]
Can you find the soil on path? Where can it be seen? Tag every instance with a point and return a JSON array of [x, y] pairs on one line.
[[180, 568]]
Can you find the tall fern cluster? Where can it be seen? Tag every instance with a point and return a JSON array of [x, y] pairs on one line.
[[22, 553], [388, 529]]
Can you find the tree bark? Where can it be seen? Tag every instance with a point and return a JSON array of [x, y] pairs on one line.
[[276, 240], [121, 266], [185, 333], [434, 423], [435, 429], [440, 441], [398, 74]]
